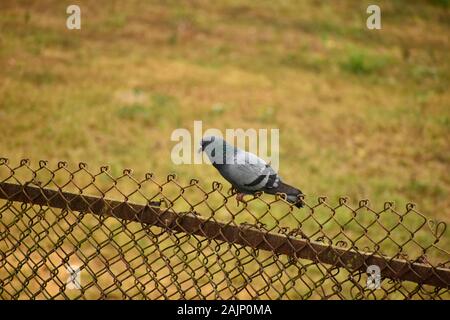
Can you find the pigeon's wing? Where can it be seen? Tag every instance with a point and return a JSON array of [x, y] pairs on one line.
[[251, 175]]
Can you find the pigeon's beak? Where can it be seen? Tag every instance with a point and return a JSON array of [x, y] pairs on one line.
[[200, 150]]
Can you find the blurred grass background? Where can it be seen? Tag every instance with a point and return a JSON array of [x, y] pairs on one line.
[[362, 113]]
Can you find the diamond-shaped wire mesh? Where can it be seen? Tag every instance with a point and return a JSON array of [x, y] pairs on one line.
[[76, 233]]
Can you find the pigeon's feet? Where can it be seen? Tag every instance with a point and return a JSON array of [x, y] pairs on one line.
[[240, 198]]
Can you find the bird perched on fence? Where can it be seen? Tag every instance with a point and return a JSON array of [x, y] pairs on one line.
[[246, 172]]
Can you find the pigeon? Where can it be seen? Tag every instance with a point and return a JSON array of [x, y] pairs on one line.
[[246, 172]]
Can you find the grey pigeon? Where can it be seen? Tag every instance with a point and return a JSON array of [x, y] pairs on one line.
[[246, 172]]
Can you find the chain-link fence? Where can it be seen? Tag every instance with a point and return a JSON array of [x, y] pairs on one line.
[[71, 233]]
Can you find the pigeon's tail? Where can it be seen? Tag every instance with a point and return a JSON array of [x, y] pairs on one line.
[[293, 194]]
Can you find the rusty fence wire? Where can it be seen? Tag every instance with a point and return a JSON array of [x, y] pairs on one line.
[[71, 232]]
